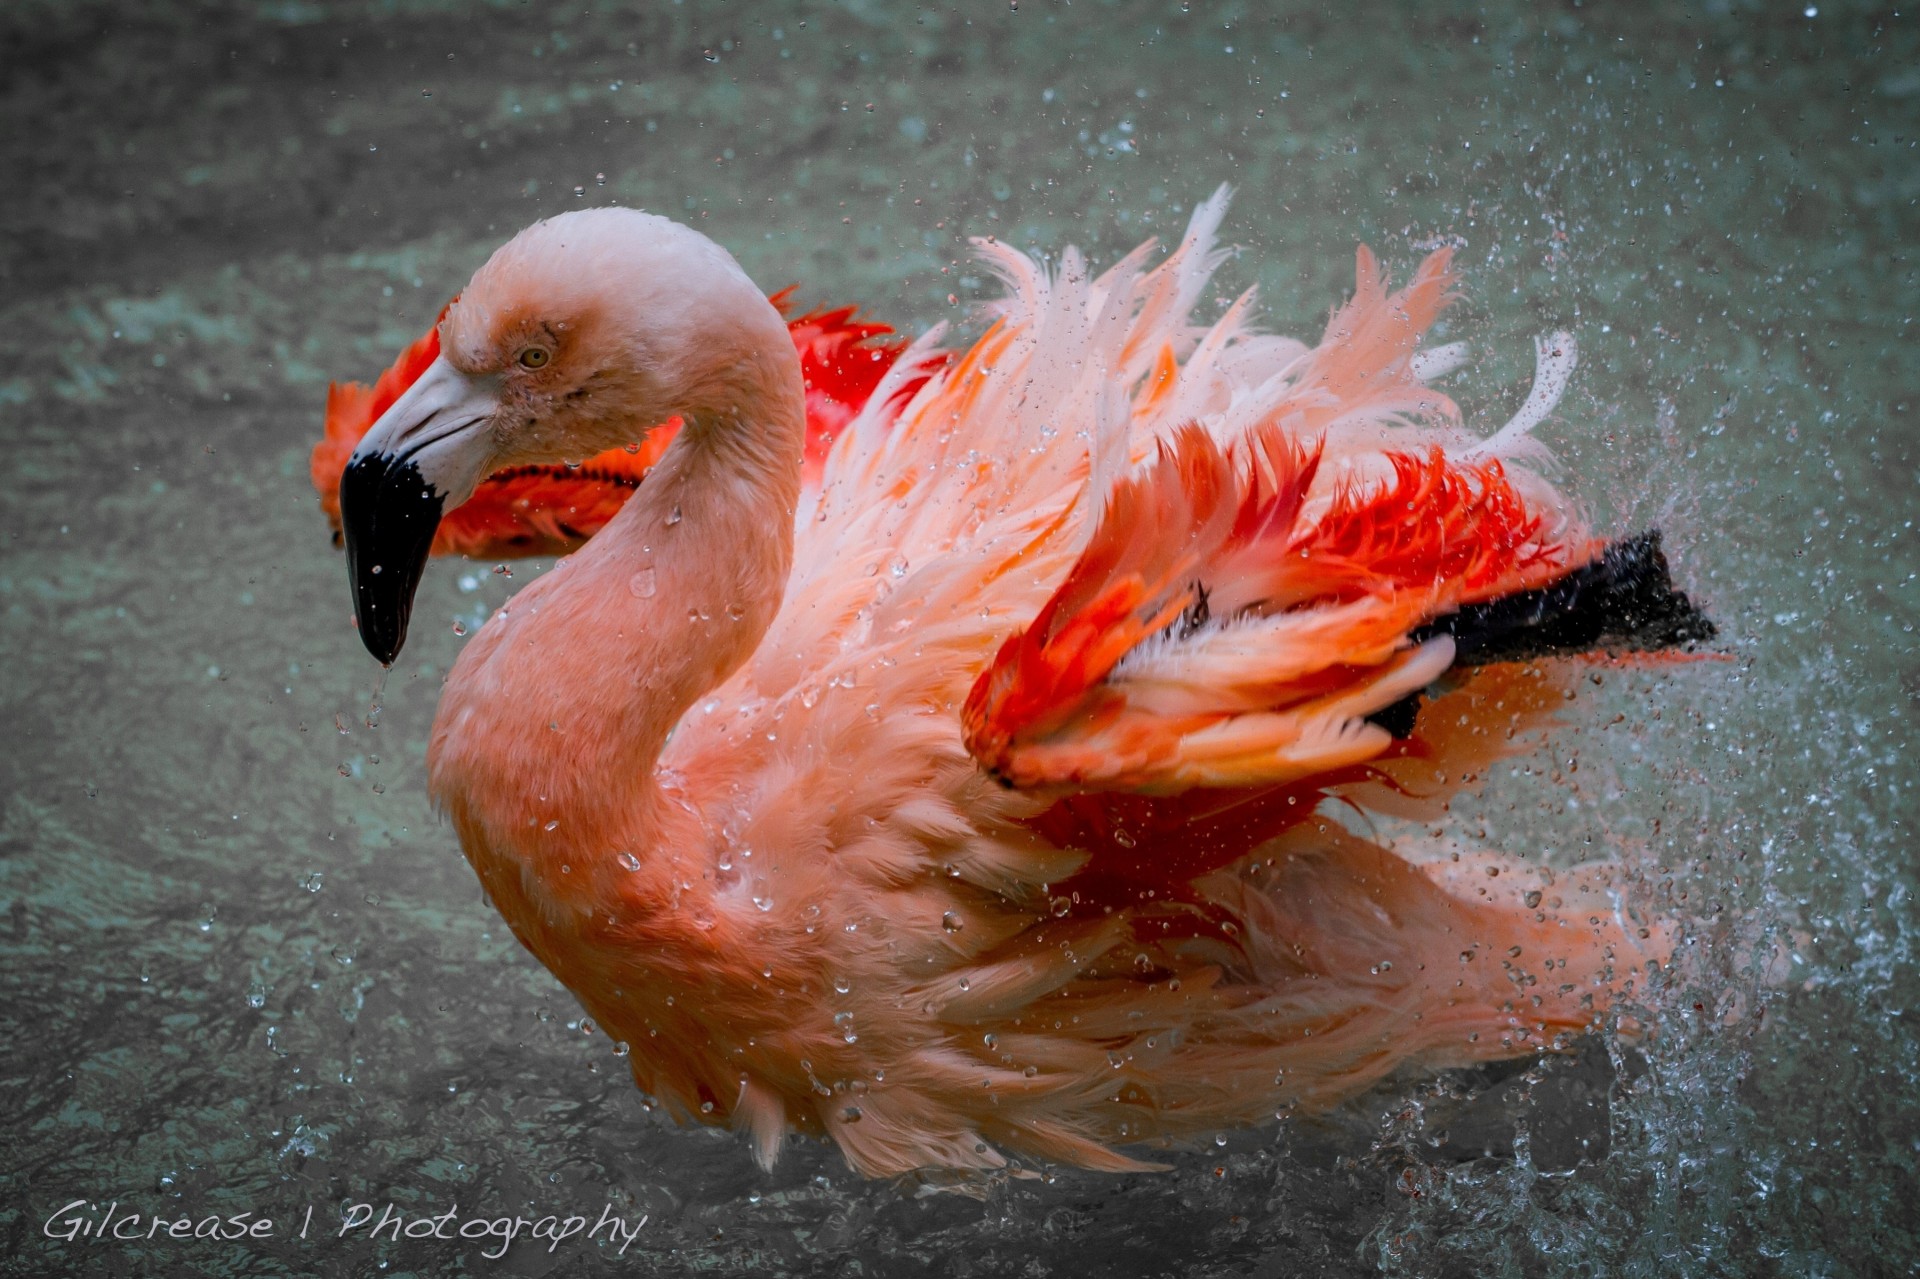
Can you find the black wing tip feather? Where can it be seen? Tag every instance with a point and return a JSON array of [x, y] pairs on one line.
[[1625, 601]]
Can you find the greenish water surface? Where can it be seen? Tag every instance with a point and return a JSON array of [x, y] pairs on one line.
[[247, 971]]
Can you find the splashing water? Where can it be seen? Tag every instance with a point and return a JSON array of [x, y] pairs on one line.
[[1717, 205]]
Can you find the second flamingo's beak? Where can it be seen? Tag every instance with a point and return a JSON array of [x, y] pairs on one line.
[[423, 457]]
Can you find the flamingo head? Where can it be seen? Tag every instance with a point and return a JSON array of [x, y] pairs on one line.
[[579, 335]]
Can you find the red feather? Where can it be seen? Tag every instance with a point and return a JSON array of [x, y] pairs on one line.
[[1203, 534]]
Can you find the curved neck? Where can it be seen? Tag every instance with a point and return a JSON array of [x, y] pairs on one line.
[[695, 567], [558, 710]]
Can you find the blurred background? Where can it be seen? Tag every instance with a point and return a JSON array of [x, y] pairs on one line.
[[247, 970]]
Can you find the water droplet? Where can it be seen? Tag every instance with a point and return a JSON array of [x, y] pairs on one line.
[[620, 1048], [1059, 906], [459, 627], [851, 1114], [312, 881], [643, 584], [842, 985], [1532, 899], [952, 922], [552, 825], [1124, 838], [627, 860], [673, 516], [763, 903], [736, 611]]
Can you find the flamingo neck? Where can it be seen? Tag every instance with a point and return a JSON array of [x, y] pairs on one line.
[[554, 719]]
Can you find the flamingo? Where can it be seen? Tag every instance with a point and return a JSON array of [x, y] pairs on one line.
[[976, 802]]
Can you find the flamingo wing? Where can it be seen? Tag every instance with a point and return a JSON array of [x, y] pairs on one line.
[[552, 509], [1219, 630], [1122, 551], [1136, 565], [1172, 584], [936, 538]]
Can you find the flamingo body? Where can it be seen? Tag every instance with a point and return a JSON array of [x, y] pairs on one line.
[[967, 802]]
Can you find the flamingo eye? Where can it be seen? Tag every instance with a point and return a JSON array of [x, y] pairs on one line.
[[535, 357]]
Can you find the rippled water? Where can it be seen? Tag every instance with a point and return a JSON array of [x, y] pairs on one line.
[[246, 971]]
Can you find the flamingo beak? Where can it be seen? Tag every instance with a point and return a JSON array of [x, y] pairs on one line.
[[423, 457]]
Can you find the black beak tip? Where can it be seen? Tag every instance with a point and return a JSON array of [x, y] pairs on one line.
[[389, 514], [384, 643]]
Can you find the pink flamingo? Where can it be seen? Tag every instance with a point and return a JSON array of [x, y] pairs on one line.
[[967, 802]]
